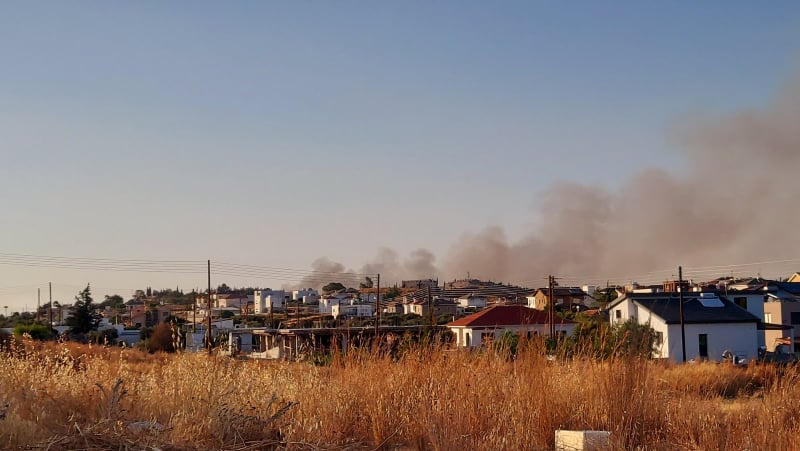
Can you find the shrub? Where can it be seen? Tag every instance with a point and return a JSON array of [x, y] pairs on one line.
[[104, 337], [35, 331], [5, 339], [161, 339]]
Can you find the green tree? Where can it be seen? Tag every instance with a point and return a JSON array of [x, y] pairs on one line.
[[367, 283], [114, 301], [333, 286], [605, 295], [634, 339], [83, 317], [391, 293], [507, 343]]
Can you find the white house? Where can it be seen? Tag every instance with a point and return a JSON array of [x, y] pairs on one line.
[[327, 301], [472, 301], [230, 300], [750, 300], [268, 300], [307, 295], [353, 310], [712, 324], [326, 304], [486, 325]]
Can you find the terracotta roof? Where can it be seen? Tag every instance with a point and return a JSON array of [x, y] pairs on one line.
[[506, 315]]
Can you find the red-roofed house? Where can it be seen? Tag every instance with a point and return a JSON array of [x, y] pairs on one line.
[[486, 325]]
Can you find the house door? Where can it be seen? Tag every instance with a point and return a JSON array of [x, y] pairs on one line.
[[702, 341]]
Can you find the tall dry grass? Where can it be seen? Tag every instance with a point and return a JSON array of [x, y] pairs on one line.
[[77, 397]]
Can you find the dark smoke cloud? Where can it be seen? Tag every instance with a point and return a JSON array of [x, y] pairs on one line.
[[732, 201], [420, 264], [324, 271]]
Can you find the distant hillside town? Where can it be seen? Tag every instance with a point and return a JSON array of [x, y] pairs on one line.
[[736, 319]]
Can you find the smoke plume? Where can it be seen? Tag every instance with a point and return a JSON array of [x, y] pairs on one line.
[[731, 202]]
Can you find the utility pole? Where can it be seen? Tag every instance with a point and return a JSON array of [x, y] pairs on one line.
[[680, 300], [38, 303], [378, 306], [271, 307], [194, 318], [430, 305], [551, 307], [208, 311], [50, 286], [298, 313]]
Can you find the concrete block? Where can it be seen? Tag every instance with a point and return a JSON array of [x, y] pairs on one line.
[[582, 440]]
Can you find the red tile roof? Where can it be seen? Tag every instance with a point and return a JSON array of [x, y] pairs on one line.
[[506, 315]]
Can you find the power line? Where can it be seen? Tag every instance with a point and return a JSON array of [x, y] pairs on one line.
[[289, 270]]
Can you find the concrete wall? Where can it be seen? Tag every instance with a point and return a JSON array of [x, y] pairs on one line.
[[467, 337], [264, 299], [739, 338]]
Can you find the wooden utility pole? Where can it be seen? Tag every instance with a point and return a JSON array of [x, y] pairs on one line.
[[194, 318], [50, 286], [208, 311], [551, 306], [271, 308], [378, 306], [298, 313], [430, 305], [38, 303], [680, 300]]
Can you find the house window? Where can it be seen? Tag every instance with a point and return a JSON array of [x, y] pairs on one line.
[[618, 314], [741, 302], [767, 317], [468, 341], [795, 318], [659, 338], [702, 341]]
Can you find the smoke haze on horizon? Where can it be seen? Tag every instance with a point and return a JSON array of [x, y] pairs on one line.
[[729, 203]]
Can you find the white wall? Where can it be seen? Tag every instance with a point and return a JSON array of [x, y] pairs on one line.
[[626, 311], [357, 310], [476, 335], [755, 302], [263, 299], [326, 304], [472, 301], [739, 338]]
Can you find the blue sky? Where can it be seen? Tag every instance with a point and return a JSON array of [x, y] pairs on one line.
[[274, 133]]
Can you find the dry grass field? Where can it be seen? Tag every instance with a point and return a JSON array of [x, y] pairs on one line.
[[63, 396]]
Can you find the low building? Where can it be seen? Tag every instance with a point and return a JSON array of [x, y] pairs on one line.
[[712, 324], [565, 298], [230, 300], [485, 326], [473, 301], [266, 301], [353, 311], [784, 312], [418, 284], [441, 307]]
